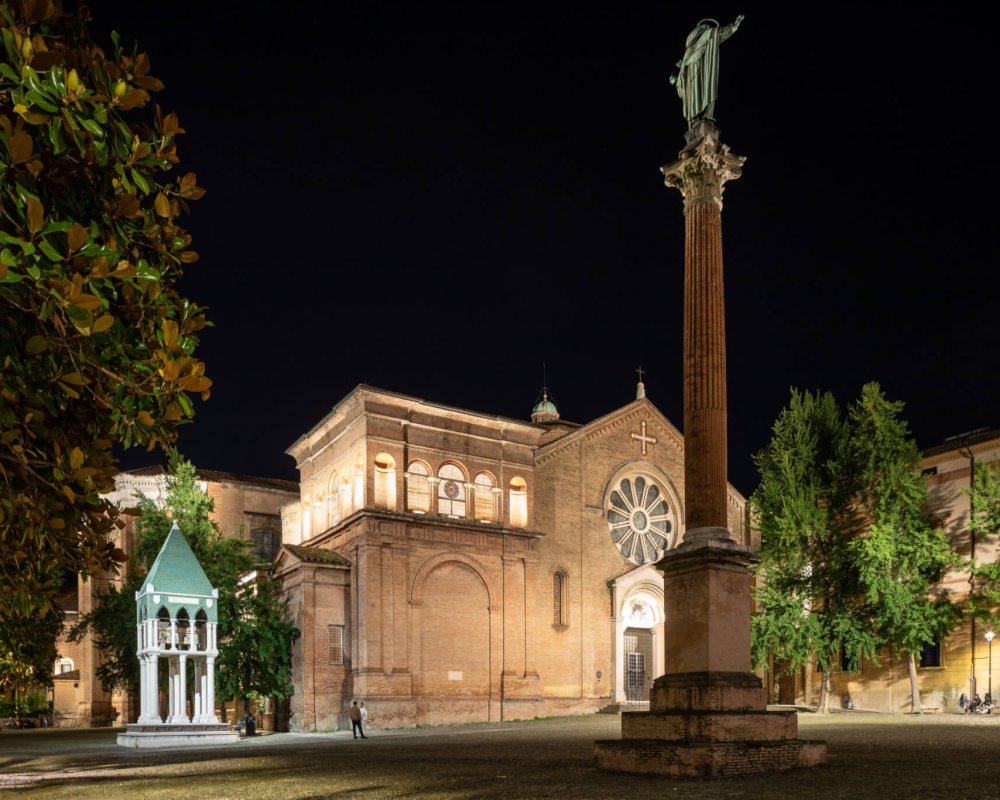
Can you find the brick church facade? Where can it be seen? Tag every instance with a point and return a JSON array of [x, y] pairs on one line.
[[448, 566]]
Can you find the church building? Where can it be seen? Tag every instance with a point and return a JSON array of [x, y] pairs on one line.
[[447, 565]]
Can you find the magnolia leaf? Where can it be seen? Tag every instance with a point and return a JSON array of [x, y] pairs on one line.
[[76, 237], [75, 378], [36, 216], [50, 252], [148, 82], [20, 146], [171, 370], [92, 127], [102, 323], [35, 345], [194, 383], [124, 270], [170, 331], [134, 99], [76, 458], [89, 302], [162, 205], [68, 390]]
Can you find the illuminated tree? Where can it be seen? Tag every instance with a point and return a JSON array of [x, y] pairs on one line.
[[96, 344]]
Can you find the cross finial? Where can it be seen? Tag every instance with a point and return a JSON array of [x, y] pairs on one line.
[[640, 370]]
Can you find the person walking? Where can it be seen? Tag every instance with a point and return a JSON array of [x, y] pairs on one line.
[[355, 715], [364, 720]]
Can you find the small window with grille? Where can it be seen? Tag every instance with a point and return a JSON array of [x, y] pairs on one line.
[[560, 618], [335, 634]]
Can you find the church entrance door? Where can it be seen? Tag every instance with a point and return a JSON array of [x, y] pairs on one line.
[[638, 659]]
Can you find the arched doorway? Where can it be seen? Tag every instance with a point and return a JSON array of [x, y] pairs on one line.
[[638, 664], [639, 652]]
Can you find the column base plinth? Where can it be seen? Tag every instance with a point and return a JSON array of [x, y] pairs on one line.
[[706, 725], [706, 759]]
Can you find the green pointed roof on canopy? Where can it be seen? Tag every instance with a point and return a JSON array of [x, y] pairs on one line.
[[176, 580], [176, 570]]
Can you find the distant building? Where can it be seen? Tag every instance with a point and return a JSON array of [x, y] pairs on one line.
[[244, 505], [446, 565]]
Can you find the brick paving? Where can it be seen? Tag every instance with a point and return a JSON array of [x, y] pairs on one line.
[[872, 756]]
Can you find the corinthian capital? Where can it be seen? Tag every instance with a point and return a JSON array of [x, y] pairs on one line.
[[701, 171]]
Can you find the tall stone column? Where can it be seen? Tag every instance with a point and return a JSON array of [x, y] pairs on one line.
[[708, 714], [700, 175]]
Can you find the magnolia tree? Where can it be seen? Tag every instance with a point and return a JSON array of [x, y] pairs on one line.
[[96, 344]]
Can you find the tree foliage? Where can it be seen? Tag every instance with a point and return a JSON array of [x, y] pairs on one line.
[[899, 556], [259, 647], [96, 343], [809, 597], [984, 524], [28, 649], [847, 555]]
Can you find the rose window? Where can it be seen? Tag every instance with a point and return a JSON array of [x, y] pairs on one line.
[[639, 519]]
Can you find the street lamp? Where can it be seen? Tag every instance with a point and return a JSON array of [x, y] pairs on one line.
[[989, 638]]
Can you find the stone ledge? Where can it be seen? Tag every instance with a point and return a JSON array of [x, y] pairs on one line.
[[157, 736], [711, 726], [705, 760]]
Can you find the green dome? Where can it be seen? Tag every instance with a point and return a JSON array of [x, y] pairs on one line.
[[544, 410]]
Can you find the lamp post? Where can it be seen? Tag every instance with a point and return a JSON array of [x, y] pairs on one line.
[[989, 685]]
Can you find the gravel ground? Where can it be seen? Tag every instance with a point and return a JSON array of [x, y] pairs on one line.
[[870, 756]]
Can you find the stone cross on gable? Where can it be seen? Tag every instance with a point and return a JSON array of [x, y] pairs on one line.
[[642, 437]]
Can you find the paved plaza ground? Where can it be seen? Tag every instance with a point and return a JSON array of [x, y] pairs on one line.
[[871, 756]]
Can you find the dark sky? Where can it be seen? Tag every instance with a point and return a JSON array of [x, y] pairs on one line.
[[437, 199]]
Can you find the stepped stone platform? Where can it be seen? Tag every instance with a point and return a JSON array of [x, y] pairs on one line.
[[708, 725], [152, 735]]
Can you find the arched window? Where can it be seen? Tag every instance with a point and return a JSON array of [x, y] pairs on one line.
[[359, 487], [485, 501], [345, 497], [183, 630], [451, 491], [333, 501], [560, 617], [307, 520], [418, 492], [385, 481], [518, 503], [163, 629], [200, 631], [63, 665]]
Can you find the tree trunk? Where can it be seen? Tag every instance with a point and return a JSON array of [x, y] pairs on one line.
[[824, 694], [911, 661]]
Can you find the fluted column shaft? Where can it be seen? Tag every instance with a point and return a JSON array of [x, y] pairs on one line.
[[699, 174], [705, 456]]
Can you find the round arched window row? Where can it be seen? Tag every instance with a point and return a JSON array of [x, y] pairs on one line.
[[640, 520]]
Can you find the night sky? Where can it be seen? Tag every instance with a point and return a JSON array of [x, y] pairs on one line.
[[437, 200]]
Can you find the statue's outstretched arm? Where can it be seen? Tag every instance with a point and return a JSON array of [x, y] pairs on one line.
[[730, 29]]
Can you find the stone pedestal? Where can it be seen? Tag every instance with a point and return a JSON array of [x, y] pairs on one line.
[[707, 714]]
